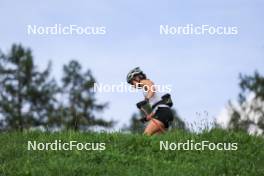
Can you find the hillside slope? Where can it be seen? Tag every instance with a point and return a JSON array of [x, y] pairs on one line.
[[128, 154]]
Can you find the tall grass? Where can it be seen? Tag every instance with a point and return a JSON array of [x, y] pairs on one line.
[[131, 154]]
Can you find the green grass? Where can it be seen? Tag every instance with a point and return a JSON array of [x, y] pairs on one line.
[[128, 154]]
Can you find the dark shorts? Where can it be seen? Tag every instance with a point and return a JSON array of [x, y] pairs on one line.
[[164, 115]]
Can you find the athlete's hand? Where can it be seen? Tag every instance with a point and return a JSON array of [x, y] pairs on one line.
[[149, 116], [142, 103]]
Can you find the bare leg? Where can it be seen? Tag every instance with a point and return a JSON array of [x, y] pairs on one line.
[[154, 127]]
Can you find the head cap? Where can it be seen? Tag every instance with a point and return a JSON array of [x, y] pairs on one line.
[[132, 73]]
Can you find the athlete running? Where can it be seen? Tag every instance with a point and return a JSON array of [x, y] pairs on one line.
[[161, 114]]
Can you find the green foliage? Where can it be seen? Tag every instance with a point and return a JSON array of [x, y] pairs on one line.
[[249, 109], [128, 154], [135, 126], [29, 98], [26, 94], [254, 84], [78, 88], [177, 122]]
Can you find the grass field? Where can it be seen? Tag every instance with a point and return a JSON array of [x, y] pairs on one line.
[[129, 154]]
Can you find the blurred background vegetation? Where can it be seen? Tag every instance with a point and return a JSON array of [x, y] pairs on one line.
[[32, 99]]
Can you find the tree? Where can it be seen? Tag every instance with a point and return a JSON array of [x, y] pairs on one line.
[[248, 114], [26, 94], [135, 125], [80, 103], [177, 122]]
